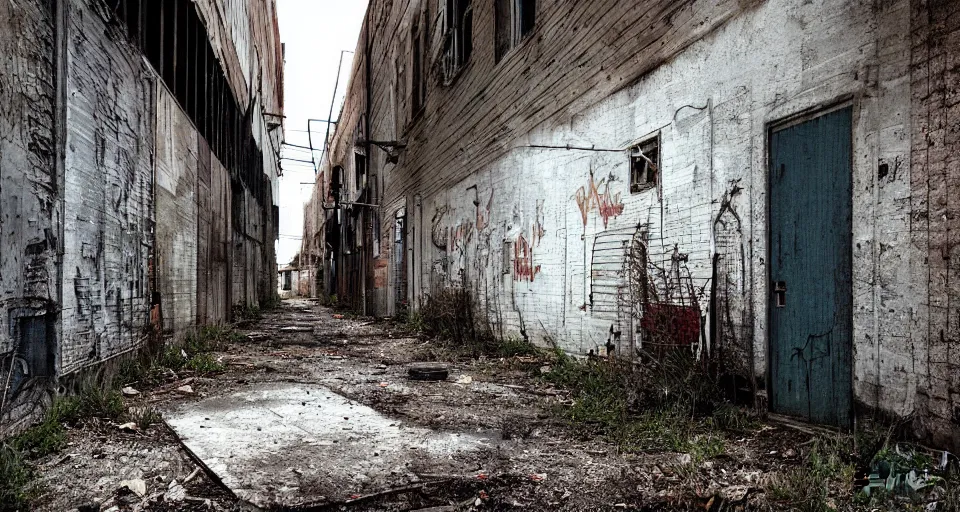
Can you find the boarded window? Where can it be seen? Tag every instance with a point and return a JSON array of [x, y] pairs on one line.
[[645, 165], [514, 19]]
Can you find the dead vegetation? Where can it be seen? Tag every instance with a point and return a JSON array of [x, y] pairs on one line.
[[674, 403]]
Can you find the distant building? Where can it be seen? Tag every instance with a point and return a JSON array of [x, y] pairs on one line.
[[292, 282], [773, 184], [138, 178]]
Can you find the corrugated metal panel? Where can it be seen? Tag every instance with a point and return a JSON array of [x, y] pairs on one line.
[[810, 257]]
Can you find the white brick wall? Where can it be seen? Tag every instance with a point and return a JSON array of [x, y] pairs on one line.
[[775, 61]]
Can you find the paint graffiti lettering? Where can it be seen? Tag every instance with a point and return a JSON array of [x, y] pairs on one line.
[[524, 268], [606, 204]]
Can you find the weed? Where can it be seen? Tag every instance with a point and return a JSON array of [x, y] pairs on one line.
[[949, 492], [172, 357], [42, 439], [244, 312], [734, 419], [806, 487], [413, 320], [100, 402], [15, 477], [131, 372], [204, 363], [513, 346], [145, 416], [705, 446]]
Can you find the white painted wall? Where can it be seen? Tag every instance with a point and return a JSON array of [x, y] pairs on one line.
[[775, 61]]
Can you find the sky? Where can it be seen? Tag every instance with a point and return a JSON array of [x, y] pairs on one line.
[[314, 33]]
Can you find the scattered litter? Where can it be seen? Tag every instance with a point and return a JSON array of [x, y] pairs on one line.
[[482, 476], [338, 317], [129, 427], [129, 391], [191, 476], [734, 492], [384, 384], [684, 459], [538, 477], [175, 493], [187, 390], [464, 379], [138, 486]]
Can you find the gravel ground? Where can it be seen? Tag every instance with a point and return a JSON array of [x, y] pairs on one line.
[[537, 462]]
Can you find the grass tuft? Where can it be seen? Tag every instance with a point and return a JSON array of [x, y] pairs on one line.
[[15, 477]]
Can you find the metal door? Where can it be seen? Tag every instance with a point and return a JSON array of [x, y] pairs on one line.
[[810, 269]]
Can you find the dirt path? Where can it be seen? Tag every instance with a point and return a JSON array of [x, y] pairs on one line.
[[529, 459]]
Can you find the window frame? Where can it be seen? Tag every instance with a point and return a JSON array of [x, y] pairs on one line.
[[457, 39], [637, 154], [506, 43]]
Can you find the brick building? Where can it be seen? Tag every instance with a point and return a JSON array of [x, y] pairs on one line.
[[771, 182], [138, 172]]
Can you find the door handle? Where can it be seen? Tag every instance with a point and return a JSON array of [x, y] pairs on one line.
[[780, 294]]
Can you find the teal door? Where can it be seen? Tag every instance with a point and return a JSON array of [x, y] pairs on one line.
[[811, 324]]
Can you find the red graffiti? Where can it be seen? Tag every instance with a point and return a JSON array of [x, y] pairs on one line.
[[607, 205], [524, 268], [461, 235], [483, 217]]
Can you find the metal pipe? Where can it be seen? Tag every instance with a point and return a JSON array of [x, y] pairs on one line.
[[573, 148]]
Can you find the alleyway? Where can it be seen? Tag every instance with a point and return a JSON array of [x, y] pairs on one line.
[[316, 412]]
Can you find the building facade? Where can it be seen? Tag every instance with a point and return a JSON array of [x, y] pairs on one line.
[[772, 183], [138, 173]]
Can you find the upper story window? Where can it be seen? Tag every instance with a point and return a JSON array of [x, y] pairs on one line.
[[514, 20], [457, 36], [645, 165], [418, 86]]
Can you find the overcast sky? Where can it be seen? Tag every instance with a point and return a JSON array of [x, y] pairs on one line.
[[314, 32]]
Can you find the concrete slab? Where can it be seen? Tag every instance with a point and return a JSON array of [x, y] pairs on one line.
[[283, 444]]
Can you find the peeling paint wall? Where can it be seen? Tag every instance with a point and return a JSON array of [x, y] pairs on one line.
[[30, 196], [555, 246], [108, 191], [118, 219]]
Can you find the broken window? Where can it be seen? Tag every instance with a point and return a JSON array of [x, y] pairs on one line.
[[418, 89], [360, 171], [645, 165], [399, 84], [457, 36], [514, 20]]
